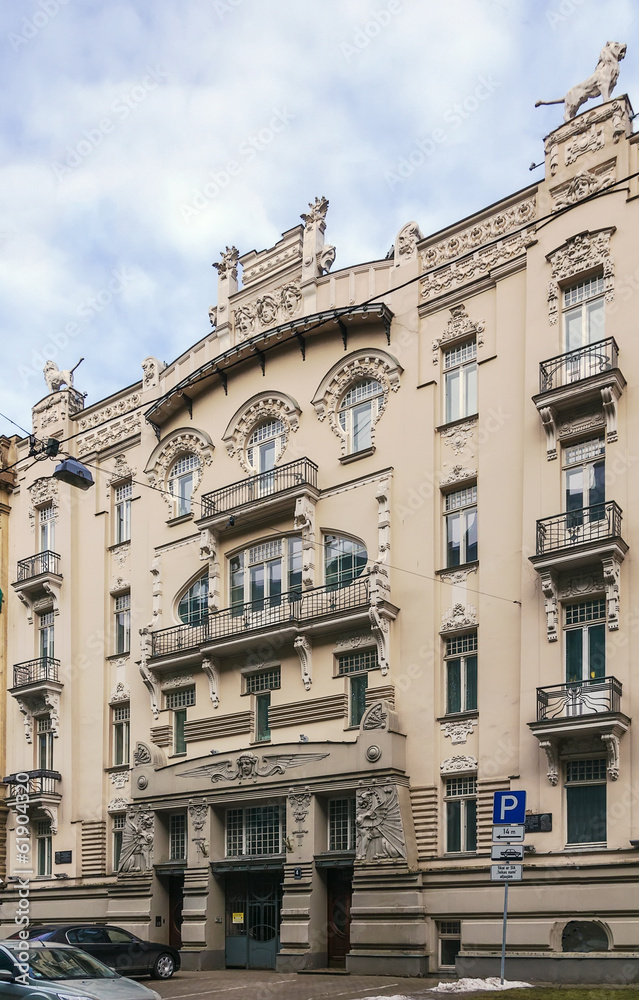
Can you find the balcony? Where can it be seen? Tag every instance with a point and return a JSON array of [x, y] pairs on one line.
[[38, 576], [42, 788], [578, 709], [35, 675], [287, 615], [578, 537], [586, 377], [252, 499]]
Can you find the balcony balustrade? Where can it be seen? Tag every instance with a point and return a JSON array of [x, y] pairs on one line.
[[578, 527], [574, 366], [40, 783], [289, 609], [34, 566], [579, 698], [38, 671]]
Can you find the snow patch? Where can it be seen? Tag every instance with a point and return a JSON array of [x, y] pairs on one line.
[[468, 985]]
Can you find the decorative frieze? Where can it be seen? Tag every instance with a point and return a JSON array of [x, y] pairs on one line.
[[106, 437], [583, 185], [482, 232], [110, 412], [120, 693], [248, 767], [459, 435], [477, 266], [266, 311], [458, 474], [458, 617], [171, 681], [457, 765]]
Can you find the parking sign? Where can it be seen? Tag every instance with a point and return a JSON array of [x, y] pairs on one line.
[[509, 808]]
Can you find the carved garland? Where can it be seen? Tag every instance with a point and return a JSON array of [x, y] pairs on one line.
[[266, 407], [382, 367], [185, 441], [577, 255]]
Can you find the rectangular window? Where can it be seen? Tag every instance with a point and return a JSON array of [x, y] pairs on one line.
[[44, 730], [123, 623], [461, 814], [584, 474], [122, 500], [461, 673], [121, 722], [586, 801], [118, 827], [255, 830], [178, 702], [355, 666], [46, 635], [177, 837], [262, 728], [358, 685], [46, 528], [44, 847], [583, 311], [341, 824], [260, 575], [351, 663], [265, 680], [460, 381], [585, 641], [460, 510], [449, 942]]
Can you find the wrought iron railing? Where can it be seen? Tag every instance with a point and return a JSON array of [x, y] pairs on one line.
[[45, 668], [293, 606], [575, 527], [565, 701], [39, 782], [42, 562], [267, 484], [565, 369]]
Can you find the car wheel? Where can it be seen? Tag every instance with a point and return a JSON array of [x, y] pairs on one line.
[[164, 966]]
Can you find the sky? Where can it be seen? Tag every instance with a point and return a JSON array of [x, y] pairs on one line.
[[139, 138]]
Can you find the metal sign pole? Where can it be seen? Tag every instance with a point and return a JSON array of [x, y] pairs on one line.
[[503, 934]]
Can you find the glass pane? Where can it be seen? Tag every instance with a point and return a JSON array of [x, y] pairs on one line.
[[471, 824], [470, 374], [586, 806], [452, 389], [471, 683], [450, 948], [597, 491], [262, 731], [573, 321], [362, 421], [256, 577], [179, 719], [574, 493], [266, 456], [274, 582], [237, 582], [358, 698], [453, 540], [574, 655], [596, 651], [471, 535], [453, 826], [596, 326], [295, 564], [453, 687]]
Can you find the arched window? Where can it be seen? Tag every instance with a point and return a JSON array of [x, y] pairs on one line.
[[344, 560], [265, 445], [193, 605], [357, 412], [182, 479], [584, 935]]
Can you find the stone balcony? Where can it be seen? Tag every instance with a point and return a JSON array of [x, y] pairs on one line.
[[35, 677], [38, 577], [578, 537], [249, 501], [43, 790], [580, 710]]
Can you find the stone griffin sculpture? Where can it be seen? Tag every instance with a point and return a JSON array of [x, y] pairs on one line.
[[601, 83], [55, 378], [378, 823]]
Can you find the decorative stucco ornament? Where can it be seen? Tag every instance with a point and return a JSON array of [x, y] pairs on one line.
[[227, 266], [378, 823], [247, 766], [600, 84], [137, 841]]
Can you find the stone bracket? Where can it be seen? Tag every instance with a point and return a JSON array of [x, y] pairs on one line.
[[305, 653], [210, 668], [549, 590]]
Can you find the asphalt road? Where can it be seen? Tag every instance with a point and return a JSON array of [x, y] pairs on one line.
[[265, 985]]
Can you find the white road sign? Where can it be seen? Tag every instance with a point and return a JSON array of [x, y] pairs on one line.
[[507, 852], [505, 873], [508, 834]]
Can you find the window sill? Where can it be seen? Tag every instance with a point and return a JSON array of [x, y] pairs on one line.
[[460, 854], [471, 713], [366, 453], [460, 420], [119, 545], [171, 756], [182, 519], [117, 768], [586, 848], [118, 656], [463, 567]]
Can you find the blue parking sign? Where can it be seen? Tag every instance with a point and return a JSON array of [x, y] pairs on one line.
[[509, 808]]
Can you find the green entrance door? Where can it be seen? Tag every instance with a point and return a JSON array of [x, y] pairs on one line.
[[252, 920]]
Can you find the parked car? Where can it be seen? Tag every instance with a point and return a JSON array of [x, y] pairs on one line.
[[59, 972], [119, 949]]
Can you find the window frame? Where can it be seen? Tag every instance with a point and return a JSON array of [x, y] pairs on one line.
[[46, 635], [346, 820], [459, 367], [44, 848], [466, 817], [177, 702], [244, 577], [178, 836], [355, 667], [347, 414], [44, 742], [343, 576], [573, 463], [586, 625], [122, 494], [467, 651], [182, 484], [255, 448], [117, 829], [446, 933], [465, 514], [122, 622], [198, 607], [46, 527], [260, 695], [599, 781], [594, 294], [121, 734], [244, 834]]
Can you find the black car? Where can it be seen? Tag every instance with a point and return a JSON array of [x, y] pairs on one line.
[[119, 949]]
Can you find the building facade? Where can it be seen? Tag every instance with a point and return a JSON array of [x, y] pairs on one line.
[[359, 558]]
